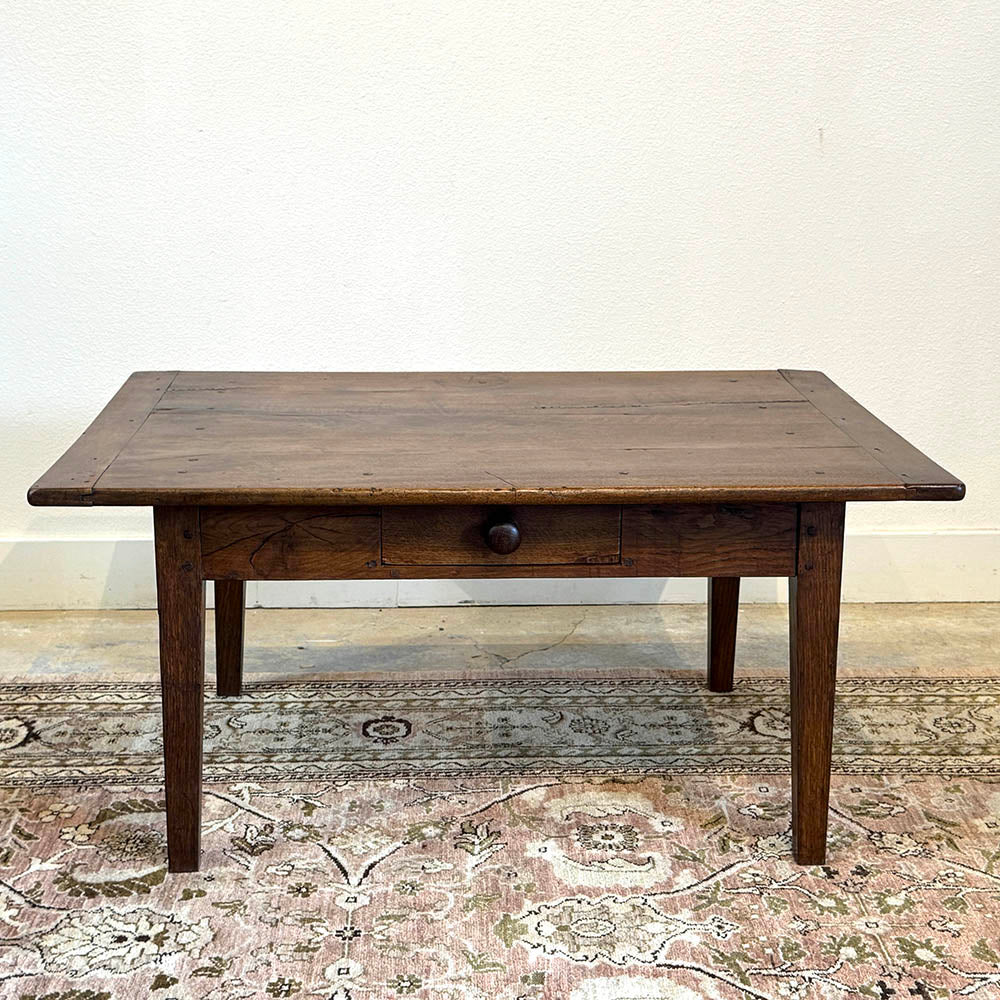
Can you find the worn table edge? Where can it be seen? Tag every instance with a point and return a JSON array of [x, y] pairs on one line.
[[74, 479], [474, 497], [921, 477], [94, 451]]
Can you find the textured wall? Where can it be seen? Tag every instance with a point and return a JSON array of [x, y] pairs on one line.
[[502, 185]]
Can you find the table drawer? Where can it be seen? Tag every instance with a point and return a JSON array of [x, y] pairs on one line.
[[460, 536]]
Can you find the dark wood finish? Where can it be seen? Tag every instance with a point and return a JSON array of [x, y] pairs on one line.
[[289, 543], [710, 539], [270, 543], [73, 477], [723, 611], [504, 537], [226, 438], [814, 616], [923, 479], [273, 476], [515, 571], [180, 589], [426, 536], [230, 613]]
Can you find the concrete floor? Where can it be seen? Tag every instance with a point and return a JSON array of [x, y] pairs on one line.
[[875, 640]]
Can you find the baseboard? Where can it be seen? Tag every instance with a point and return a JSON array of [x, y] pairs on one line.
[[38, 574]]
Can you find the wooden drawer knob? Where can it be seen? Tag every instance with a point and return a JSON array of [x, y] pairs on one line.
[[503, 538]]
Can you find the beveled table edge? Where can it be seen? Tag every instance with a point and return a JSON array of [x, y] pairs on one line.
[[95, 451]]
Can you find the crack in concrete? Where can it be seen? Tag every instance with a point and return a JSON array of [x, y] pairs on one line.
[[505, 661]]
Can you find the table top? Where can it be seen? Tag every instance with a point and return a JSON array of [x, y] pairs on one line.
[[480, 437]]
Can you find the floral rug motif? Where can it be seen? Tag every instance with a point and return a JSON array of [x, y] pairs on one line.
[[577, 886], [110, 732]]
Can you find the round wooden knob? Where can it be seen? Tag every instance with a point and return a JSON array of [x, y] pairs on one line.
[[503, 538]]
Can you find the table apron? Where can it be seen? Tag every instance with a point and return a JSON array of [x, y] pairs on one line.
[[371, 543]]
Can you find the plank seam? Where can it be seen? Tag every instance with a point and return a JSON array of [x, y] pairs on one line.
[[128, 441], [850, 437]]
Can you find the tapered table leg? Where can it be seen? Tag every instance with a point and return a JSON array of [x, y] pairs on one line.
[[180, 589], [814, 616], [723, 608], [230, 602]]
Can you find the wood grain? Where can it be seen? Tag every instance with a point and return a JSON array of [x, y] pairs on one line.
[[289, 543], [814, 617], [723, 611], [523, 571], [923, 479], [180, 590], [710, 539], [428, 536], [484, 438], [230, 614], [73, 477], [321, 543]]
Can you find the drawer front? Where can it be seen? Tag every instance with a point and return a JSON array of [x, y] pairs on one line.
[[458, 536]]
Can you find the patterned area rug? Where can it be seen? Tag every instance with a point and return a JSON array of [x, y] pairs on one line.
[[110, 732], [615, 839]]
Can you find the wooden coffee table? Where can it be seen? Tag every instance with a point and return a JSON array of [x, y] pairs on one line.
[[278, 476]]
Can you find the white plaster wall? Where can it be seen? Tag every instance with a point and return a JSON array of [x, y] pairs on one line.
[[473, 185]]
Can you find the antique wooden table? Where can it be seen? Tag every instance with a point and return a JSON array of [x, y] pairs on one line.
[[279, 476]]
